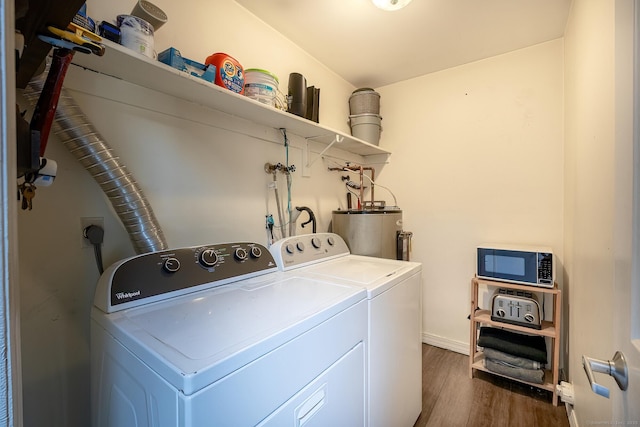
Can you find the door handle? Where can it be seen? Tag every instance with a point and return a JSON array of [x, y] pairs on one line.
[[617, 368]]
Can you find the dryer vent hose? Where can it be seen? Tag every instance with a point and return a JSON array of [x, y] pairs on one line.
[[82, 139]]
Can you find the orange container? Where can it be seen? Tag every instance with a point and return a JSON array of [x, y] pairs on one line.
[[229, 72]]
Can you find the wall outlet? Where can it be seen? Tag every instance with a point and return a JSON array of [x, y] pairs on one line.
[[84, 223], [566, 392]]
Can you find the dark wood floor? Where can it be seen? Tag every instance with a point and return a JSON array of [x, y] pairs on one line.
[[450, 398]]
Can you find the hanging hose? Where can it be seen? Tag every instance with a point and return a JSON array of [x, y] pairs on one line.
[[288, 170], [292, 224], [312, 217], [280, 216], [81, 138]]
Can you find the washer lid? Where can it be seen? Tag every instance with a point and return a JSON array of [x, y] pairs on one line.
[[374, 274], [194, 340]]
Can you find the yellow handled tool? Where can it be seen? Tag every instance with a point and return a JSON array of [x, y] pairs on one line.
[[80, 36]]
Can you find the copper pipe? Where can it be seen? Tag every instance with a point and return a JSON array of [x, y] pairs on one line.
[[360, 170]]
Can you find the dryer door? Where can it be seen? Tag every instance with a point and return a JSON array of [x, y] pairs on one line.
[[336, 397]]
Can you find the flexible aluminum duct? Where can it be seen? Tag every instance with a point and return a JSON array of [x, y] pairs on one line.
[[80, 137]]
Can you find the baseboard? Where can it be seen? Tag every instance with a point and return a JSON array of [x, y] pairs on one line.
[[446, 343], [571, 415]]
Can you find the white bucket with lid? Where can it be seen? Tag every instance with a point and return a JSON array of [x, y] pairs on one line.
[[261, 85], [136, 34], [366, 127]]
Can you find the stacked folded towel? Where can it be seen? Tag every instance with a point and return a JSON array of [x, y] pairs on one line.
[[516, 355]]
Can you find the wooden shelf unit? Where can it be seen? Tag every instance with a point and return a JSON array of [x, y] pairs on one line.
[[549, 329]]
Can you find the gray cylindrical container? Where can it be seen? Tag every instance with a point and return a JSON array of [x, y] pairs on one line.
[[369, 232], [366, 127], [364, 101]]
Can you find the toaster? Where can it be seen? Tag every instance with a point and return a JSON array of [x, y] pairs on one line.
[[516, 307]]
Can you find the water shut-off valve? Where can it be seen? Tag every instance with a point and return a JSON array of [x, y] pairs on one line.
[[279, 167]]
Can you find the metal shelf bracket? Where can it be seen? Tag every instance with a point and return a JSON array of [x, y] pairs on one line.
[[338, 139]]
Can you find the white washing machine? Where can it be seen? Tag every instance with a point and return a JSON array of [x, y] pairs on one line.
[[394, 300], [216, 336]]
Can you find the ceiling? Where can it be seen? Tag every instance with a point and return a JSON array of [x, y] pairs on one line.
[[369, 47]]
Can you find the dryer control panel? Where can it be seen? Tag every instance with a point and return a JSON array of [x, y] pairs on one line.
[[165, 274], [298, 251]]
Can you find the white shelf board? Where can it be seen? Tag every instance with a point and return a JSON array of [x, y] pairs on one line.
[[124, 64]]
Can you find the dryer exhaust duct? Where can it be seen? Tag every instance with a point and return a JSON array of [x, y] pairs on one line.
[[84, 141]]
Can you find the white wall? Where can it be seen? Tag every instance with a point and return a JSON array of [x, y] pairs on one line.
[[202, 173], [477, 157]]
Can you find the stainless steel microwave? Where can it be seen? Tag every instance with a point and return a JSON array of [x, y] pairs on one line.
[[525, 265]]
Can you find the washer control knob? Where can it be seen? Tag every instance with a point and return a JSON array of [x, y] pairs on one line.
[[256, 252], [208, 258], [316, 242], [300, 246], [240, 254], [171, 265], [529, 317], [501, 312], [290, 248], [331, 241]]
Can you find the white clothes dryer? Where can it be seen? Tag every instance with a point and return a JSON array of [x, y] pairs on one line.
[[394, 300], [215, 336]]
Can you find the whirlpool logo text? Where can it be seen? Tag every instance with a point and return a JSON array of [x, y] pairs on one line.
[[127, 295]]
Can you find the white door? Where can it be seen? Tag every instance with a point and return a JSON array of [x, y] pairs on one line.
[[602, 231], [10, 376], [625, 404]]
